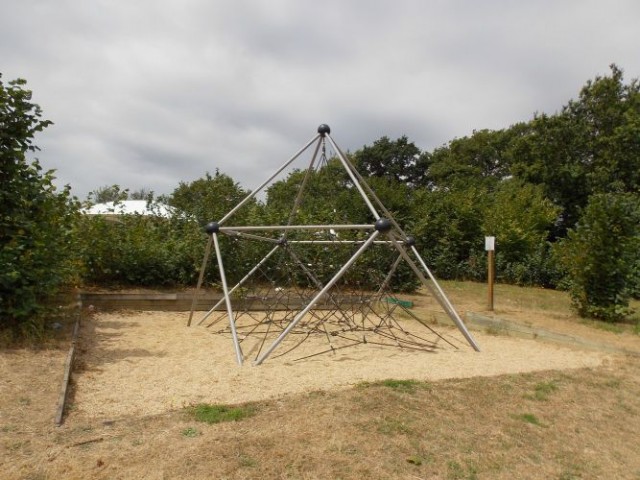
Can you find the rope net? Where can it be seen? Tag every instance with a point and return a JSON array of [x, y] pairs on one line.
[[362, 307]]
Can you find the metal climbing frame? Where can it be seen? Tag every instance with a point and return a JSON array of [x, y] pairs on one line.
[[384, 230]]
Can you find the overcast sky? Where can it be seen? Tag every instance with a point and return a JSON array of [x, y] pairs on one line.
[[148, 93]]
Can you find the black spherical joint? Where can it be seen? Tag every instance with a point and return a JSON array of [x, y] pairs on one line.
[[212, 227], [410, 241], [282, 241], [324, 129], [383, 225]]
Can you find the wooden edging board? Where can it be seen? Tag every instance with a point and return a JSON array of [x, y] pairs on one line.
[[68, 366], [181, 302]]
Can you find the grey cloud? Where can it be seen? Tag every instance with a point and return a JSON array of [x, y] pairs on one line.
[[147, 94]]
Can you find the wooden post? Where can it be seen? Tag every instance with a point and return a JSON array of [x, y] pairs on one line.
[[491, 276], [490, 246]]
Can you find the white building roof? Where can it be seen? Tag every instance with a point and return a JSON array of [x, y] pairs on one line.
[[130, 207]]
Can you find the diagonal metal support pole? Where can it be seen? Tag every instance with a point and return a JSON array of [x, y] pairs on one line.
[[387, 280], [370, 191], [446, 303], [207, 252], [227, 299], [266, 182], [320, 294], [354, 179], [317, 283], [436, 292], [241, 282], [301, 190]]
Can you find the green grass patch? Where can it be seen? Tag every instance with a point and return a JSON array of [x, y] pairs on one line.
[[457, 471], [190, 432], [405, 386], [247, 461], [220, 413], [542, 390], [606, 326], [636, 328], [529, 418]]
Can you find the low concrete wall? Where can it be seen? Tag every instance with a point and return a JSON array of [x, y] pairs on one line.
[[506, 327]]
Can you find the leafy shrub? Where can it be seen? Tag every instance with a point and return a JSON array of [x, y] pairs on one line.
[[600, 256], [140, 250], [538, 268], [36, 222]]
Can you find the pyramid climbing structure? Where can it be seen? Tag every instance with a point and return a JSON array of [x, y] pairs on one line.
[[303, 284]]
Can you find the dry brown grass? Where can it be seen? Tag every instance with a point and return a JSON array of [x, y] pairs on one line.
[[586, 426], [559, 424]]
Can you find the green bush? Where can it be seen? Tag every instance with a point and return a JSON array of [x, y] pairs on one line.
[[601, 254], [36, 221], [140, 250]]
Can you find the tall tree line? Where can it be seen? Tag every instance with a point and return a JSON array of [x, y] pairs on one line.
[[530, 185], [560, 192]]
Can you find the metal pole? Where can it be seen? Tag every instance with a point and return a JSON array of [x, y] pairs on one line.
[[338, 242], [320, 294], [364, 183], [259, 189], [249, 228], [387, 280], [444, 301], [234, 234], [298, 200], [207, 252], [227, 298]]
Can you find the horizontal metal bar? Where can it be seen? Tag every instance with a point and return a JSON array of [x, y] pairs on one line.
[[235, 234], [257, 228], [331, 242]]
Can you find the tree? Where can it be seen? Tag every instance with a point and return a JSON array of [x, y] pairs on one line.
[[447, 225], [327, 197], [208, 199], [521, 218], [142, 194], [600, 255], [37, 220], [480, 158], [592, 146], [398, 160], [108, 194]]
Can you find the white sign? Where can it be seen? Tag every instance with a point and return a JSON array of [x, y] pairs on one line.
[[489, 243]]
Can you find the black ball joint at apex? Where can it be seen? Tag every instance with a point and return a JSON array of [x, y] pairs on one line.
[[282, 241], [383, 225], [324, 129], [410, 241], [212, 227]]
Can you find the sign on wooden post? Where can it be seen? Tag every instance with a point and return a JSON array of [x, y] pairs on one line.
[[490, 246]]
